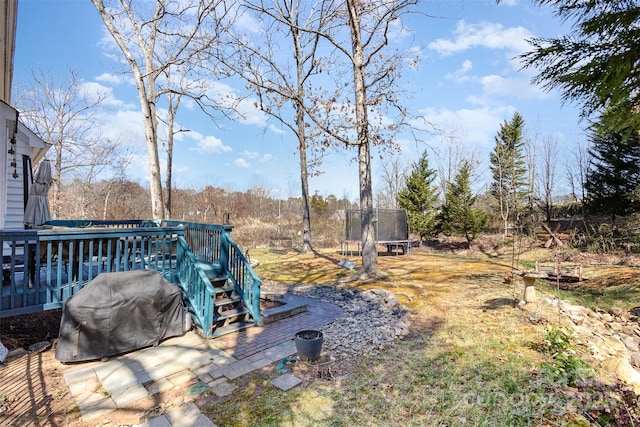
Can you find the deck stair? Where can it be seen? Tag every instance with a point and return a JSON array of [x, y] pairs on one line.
[[230, 313]]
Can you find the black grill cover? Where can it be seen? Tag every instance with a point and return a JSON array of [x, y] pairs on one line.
[[119, 312]]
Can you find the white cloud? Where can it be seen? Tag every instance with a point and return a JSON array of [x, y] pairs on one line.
[[485, 34], [124, 126], [209, 144], [276, 129], [246, 22], [138, 169], [461, 74], [398, 32], [413, 57], [95, 91], [111, 78], [513, 87], [249, 113], [240, 162], [478, 125], [255, 155]]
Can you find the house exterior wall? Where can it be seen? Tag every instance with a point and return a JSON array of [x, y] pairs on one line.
[[14, 215], [27, 150]]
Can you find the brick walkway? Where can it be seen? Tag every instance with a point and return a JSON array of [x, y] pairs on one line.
[[253, 340]]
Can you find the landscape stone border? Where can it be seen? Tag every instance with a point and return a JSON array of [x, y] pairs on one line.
[[612, 338]]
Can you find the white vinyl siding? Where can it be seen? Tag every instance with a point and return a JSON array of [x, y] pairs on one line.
[[12, 191]]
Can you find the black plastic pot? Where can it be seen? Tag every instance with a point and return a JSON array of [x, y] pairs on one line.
[[309, 344]]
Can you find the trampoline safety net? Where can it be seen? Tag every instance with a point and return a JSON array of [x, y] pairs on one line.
[[390, 224]]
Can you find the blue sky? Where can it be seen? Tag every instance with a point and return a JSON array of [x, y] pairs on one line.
[[466, 84]]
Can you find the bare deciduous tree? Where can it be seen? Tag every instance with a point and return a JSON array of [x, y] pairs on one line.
[[393, 175], [530, 148], [451, 155], [577, 167], [547, 178], [63, 114], [361, 103], [153, 39], [279, 79]]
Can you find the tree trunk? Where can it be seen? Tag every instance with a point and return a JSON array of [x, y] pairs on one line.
[[302, 146], [304, 181], [369, 247], [106, 204], [151, 136], [57, 180], [146, 96], [170, 134], [168, 186]]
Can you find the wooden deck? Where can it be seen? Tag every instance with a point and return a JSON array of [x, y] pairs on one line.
[[43, 268]]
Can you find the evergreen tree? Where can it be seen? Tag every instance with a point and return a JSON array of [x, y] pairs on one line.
[[419, 198], [613, 178], [597, 64], [459, 217], [508, 170]]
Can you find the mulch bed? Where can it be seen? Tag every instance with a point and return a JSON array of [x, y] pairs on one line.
[[28, 329]]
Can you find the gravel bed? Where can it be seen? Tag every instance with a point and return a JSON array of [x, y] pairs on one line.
[[372, 321]]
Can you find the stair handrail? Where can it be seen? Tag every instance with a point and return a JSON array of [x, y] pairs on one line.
[[199, 291], [242, 275]]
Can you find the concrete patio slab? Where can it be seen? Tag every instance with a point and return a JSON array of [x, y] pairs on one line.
[[187, 361]]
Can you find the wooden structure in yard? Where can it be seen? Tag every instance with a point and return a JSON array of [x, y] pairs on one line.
[[553, 237], [571, 273]]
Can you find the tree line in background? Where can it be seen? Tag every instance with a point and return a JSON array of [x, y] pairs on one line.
[[523, 191], [522, 194], [175, 50]]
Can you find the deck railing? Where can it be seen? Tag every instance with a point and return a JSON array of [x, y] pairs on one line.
[[43, 268]]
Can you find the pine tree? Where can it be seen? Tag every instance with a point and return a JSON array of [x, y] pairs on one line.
[[613, 178], [508, 170], [420, 197], [596, 65], [459, 217]]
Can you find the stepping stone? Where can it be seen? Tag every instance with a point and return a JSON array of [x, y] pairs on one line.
[[221, 387], [188, 415], [286, 382]]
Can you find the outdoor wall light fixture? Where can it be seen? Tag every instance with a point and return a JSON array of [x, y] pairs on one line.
[[14, 161], [12, 148]]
